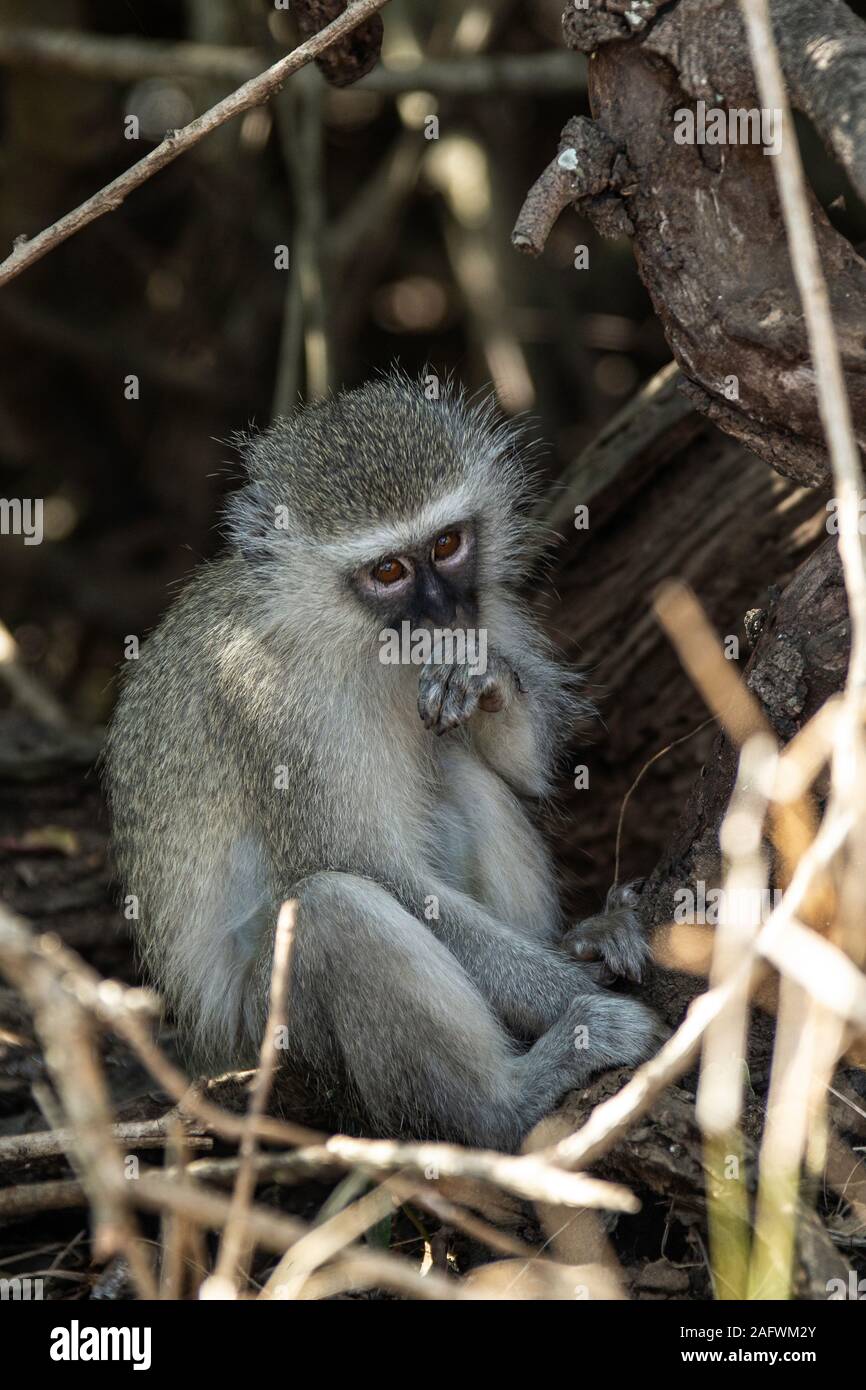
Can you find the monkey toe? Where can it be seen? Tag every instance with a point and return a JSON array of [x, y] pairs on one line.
[[611, 1030], [614, 938]]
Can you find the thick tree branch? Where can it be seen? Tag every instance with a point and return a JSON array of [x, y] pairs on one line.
[[821, 47], [704, 212]]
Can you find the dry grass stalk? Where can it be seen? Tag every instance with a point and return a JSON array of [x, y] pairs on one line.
[[807, 1050], [720, 1092], [234, 1248], [67, 1032]]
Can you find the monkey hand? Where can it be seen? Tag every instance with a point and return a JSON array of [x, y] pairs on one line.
[[614, 938], [450, 693]]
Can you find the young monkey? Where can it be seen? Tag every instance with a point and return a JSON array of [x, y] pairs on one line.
[[262, 750]]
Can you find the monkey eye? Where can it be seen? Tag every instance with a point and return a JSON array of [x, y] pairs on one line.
[[446, 545], [388, 571]]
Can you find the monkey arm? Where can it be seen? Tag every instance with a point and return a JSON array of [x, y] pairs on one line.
[[524, 739], [521, 741]]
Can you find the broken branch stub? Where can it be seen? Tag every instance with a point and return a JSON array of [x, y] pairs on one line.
[[588, 166]]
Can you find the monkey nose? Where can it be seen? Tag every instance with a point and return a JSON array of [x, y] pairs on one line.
[[434, 599], [444, 611]]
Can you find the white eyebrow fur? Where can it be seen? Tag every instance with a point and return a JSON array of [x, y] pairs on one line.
[[399, 535]]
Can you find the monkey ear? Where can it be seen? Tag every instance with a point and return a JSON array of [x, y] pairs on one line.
[[252, 453], [251, 523]]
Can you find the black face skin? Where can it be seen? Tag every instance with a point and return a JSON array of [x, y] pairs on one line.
[[434, 582]]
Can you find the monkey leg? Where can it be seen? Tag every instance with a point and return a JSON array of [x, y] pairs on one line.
[[527, 982], [377, 999]]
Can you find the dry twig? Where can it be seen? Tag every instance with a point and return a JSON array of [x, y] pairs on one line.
[[253, 93]]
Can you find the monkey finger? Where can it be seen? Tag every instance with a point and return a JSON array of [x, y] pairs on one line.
[[492, 701], [582, 949], [596, 969], [431, 692], [626, 954], [460, 703]]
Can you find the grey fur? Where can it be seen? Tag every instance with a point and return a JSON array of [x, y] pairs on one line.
[[261, 751], [615, 937]]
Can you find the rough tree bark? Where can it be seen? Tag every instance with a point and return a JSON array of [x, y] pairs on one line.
[[669, 494], [704, 218]]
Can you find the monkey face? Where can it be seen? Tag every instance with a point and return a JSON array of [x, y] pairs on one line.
[[382, 506], [434, 581]]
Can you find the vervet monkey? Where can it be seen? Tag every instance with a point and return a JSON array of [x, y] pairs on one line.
[[262, 750]]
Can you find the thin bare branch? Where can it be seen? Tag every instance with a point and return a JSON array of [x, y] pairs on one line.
[[66, 1029], [253, 93], [273, 1231], [122, 58], [28, 692], [136, 1134]]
